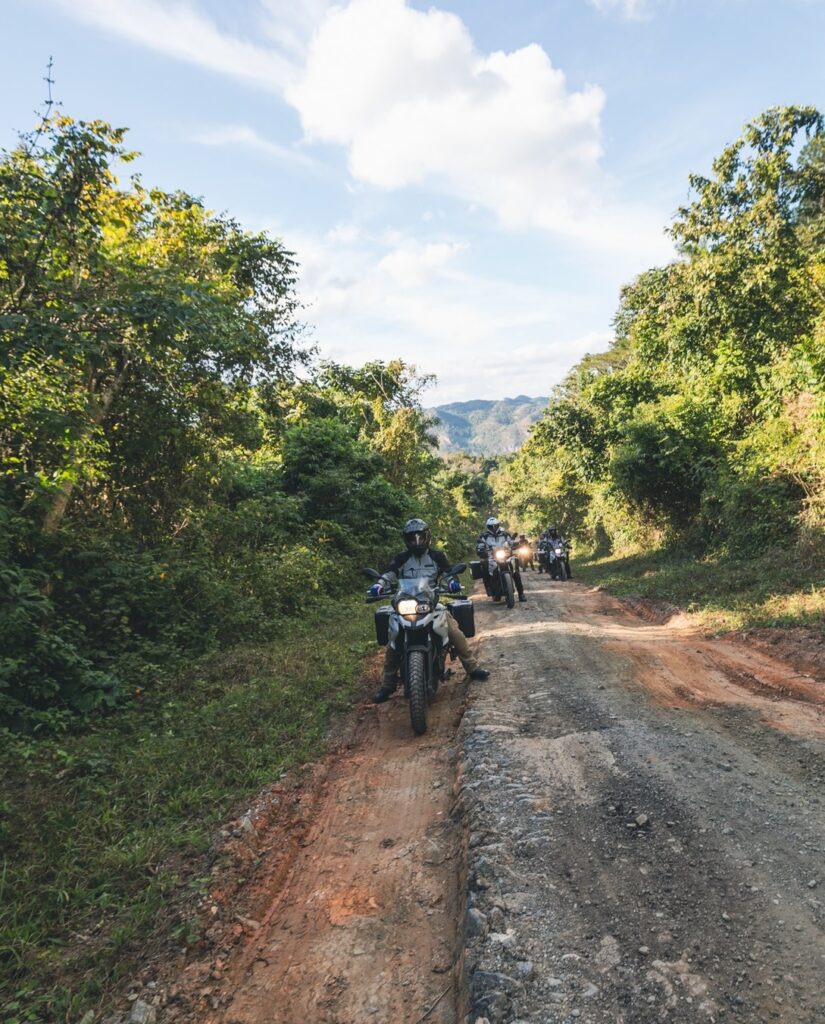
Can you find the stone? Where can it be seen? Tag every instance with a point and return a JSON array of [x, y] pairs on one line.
[[524, 969], [142, 1013], [476, 923]]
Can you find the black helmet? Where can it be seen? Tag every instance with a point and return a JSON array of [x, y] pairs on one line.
[[416, 536], [552, 532]]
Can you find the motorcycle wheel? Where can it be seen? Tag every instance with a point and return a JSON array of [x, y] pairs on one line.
[[508, 591], [417, 678], [562, 571]]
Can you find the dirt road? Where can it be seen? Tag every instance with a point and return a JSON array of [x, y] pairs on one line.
[[627, 825]]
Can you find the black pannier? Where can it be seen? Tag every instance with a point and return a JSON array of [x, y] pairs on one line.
[[382, 624], [475, 571], [462, 612]]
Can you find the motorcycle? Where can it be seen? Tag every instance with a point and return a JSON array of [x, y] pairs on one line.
[[502, 566], [525, 557], [557, 561], [415, 624]]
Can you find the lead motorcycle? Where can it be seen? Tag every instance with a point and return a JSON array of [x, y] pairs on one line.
[[415, 624]]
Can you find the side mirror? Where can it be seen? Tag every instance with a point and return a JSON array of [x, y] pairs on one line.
[[459, 568], [371, 574]]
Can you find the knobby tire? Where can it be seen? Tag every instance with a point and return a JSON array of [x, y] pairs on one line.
[[417, 669], [509, 591]]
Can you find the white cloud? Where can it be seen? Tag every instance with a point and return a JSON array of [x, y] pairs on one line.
[[634, 10], [391, 295], [181, 30], [414, 263], [413, 101]]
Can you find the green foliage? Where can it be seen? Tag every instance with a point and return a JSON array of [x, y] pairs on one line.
[[706, 418]]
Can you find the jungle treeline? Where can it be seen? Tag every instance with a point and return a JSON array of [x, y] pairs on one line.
[[179, 472], [703, 425]]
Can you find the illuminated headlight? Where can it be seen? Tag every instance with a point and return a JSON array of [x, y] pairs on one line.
[[559, 551], [407, 607], [524, 551], [501, 554]]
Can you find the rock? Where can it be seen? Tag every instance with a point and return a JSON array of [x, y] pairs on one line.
[[476, 923], [142, 1013], [554, 982], [589, 991], [644, 950], [488, 981], [524, 969], [725, 915], [812, 884], [246, 824], [497, 919], [642, 820], [506, 939]]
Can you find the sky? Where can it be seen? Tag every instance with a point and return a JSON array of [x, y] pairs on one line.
[[466, 185]]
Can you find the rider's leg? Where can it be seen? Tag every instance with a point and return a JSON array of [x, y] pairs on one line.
[[392, 663]]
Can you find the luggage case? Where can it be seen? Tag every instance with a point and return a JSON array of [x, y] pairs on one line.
[[382, 624], [475, 571], [462, 612]]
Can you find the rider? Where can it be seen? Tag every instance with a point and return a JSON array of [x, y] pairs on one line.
[[523, 542], [555, 538], [495, 536], [418, 560]]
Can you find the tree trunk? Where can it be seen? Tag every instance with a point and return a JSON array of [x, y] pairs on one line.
[[98, 410]]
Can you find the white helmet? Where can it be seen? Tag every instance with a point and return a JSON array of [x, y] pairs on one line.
[[493, 525]]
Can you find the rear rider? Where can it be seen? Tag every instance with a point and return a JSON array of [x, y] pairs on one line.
[[416, 561]]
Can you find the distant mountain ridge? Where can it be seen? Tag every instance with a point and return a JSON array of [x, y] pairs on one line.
[[486, 426]]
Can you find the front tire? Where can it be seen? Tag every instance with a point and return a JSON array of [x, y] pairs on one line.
[[508, 591], [417, 677], [562, 571]]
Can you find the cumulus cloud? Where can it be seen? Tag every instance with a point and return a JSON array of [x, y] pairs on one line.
[[415, 103]]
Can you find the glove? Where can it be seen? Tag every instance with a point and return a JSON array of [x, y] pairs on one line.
[[376, 590], [454, 587]]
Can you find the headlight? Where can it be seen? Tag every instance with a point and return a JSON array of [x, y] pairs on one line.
[[524, 552], [559, 551], [501, 554], [407, 607]]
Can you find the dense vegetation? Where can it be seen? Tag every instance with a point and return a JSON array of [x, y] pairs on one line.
[[180, 477], [703, 426]]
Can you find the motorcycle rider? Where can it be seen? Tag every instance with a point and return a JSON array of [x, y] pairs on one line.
[[416, 561], [523, 542], [495, 536], [554, 538]]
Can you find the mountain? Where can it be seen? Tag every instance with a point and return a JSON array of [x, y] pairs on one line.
[[485, 426]]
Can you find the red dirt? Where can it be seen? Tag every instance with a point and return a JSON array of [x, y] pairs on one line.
[[352, 909]]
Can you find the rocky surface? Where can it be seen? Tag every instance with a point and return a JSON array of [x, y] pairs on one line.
[[636, 860]]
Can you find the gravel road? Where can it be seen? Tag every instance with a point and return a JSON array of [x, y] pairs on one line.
[[646, 822]]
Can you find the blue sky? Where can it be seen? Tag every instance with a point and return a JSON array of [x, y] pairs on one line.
[[466, 185]]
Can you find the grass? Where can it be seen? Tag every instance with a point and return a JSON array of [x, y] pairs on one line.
[[724, 591], [98, 827]]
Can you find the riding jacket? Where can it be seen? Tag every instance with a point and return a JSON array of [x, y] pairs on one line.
[[408, 566]]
